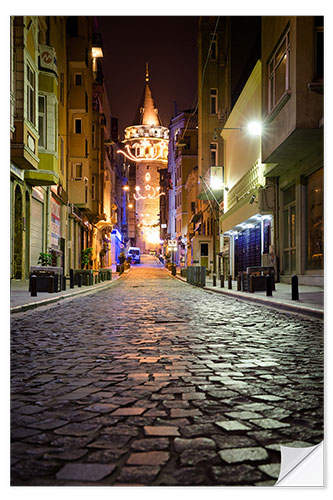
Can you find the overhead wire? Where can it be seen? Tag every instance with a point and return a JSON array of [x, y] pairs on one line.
[[198, 96]]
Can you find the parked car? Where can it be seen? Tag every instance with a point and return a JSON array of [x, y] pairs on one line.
[[134, 253]]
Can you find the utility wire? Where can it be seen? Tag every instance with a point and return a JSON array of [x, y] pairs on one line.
[[202, 80]]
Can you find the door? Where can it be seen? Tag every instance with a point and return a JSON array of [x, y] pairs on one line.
[[36, 230], [204, 255]]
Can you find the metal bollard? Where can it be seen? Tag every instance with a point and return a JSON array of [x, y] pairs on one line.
[[50, 283], [269, 286], [243, 282], [63, 282], [294, 288], [229, 282], [239, 283], [33, 285], [79, 280], [214, 279], [222, 280], [251, 284], [71, 278]]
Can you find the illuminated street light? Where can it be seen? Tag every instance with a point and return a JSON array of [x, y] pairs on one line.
[[130, 205], [254, 128], [125, 188]]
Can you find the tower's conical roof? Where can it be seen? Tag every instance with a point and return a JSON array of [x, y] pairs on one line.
[[147, 114]]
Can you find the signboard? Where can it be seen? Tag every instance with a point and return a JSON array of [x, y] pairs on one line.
[[48, 59], [55, 223], [172, 243]]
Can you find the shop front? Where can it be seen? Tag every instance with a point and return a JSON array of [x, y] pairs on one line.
[[250, 244]]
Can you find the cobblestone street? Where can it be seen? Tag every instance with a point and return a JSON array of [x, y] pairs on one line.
[[155, 382]]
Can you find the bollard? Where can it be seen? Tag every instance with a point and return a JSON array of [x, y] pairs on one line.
[[222, 280], [294, 288], [50, 283], [269, 286], [79, 280], [229, 282], [33, 285], [214, 279], [71, 278], [239, 283], [173, 270], [243, 282], [63, 282], [251, 284], [273, 282]]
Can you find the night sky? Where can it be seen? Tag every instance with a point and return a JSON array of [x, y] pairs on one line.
[[168, 44]]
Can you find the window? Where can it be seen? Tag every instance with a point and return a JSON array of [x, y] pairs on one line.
[[62, 155], [278, 71], [213, 154], [78, 79], [62, 88], [187, 141], [93, 187], [289, 230], [93, 135], [78, 126], [30, 95], [42, 121], [315, 220], [213, 101], [319, 47], [77, 171], [213, 46]]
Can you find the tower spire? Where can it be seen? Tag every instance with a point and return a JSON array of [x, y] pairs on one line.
[[147, 73]]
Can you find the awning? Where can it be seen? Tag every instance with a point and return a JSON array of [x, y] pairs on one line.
[[208, 195]]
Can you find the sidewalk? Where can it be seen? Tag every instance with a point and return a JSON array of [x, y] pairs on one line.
[[311, 298], [21, 300]]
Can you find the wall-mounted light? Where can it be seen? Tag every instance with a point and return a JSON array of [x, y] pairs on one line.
[[252, 199], [125, 188], [130, 205], [253, 128]]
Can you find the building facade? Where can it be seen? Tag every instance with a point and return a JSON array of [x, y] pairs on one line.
[[183, 157], [213, 109], [292, 143], [273, 207], [63, 158]]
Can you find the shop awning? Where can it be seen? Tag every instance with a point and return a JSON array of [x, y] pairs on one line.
[[208, 195]]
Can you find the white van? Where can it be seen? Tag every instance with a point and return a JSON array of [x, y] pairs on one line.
[[134, 253]]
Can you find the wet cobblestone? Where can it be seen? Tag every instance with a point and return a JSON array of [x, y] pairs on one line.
[[155, 382]]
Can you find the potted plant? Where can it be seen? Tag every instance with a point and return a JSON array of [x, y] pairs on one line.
[[44, 259], [86, 255], [43, 271]]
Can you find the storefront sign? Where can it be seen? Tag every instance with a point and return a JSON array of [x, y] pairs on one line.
[[48, 59], [172, 244], [55, 223]]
